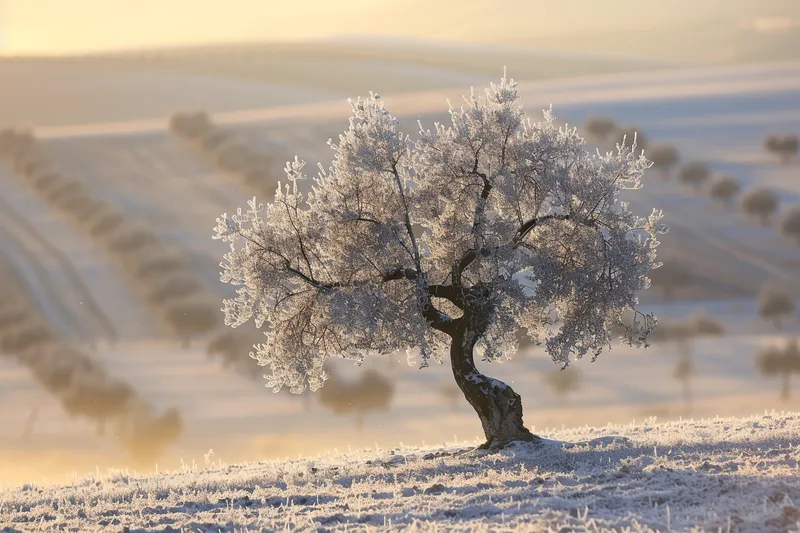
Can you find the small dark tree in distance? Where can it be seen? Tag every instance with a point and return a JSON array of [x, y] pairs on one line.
[[694, 175], [784, 147], [664, 157], [724, 189], [445, 245], [774, 304], [683, 333], [761, 204], [599, 128], [563, 381], [370, 392], [790, 223], [669, 277], [773, 361]]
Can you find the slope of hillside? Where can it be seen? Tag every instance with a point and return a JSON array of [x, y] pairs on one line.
[[724, 474]]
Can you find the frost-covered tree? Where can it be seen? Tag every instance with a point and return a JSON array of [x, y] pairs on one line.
[[760, 203], [774, 304], [724, 189], [445, 244]]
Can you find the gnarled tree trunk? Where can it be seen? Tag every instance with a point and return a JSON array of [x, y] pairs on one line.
[[498, 406]]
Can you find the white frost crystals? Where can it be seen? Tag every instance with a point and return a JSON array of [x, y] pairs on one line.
[[517, 218]]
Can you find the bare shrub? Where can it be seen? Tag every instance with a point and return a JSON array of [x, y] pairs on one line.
[[664, 157], [724, 189], [790, 223], [774, 305], [669, 277], [784, 147], [599, 128], [694, 174], [761, 204]]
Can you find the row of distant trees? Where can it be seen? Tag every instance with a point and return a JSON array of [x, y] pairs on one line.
[[160, 272], [82, 386], [605, 129], [225, 151], [759, 203]]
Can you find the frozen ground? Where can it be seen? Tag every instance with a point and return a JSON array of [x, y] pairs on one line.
[[720, 115], [723, 474]]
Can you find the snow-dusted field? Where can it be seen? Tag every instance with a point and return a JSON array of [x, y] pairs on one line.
[[719, 115], [722, 474]]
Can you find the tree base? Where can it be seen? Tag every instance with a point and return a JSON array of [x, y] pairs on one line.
[[495, 444]]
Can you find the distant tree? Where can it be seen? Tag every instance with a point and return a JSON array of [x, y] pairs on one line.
[[473, 218], [760, 203], [664, 157], [669, 277], [371, 391], [724, 189], [774, 304], [790, 223], [773, 361], [563, 381], [629, 135], [683, 334], [599, 128], [694, 175], [784, 147], [192, 125]]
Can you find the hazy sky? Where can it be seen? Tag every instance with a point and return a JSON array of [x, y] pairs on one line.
[[72, 25]]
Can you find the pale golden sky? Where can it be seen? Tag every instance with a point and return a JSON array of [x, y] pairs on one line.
[[63, 26]]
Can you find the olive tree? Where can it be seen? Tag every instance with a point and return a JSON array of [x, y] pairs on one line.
[[664, 157], [599, 128], [444, 245], [784, 147], [724, 189], [760, 203], [790, 223]]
